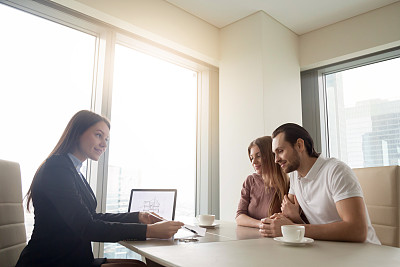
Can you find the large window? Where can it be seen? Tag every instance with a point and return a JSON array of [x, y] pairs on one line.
[[363, 110], [46, 75], [360, 117], [153, 137]]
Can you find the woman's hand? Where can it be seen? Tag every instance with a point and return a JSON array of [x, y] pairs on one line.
[[163, 229], [290, 209], [149, 217]]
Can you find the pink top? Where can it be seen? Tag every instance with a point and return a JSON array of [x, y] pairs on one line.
[[255, 199]]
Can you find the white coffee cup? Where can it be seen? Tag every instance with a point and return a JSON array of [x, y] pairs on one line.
[[206, 219], [293, 233]]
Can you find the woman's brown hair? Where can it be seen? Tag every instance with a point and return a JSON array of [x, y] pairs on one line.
[[272, 173], [78, 124]]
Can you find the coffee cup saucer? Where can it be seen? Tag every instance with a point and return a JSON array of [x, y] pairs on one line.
[[207, 225], [303, 242]]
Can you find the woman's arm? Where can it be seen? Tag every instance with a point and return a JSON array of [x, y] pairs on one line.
[[245, 220], [242, 213], [57, 185], [127, 217]]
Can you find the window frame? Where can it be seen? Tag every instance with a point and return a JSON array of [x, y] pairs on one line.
[[314, 96]]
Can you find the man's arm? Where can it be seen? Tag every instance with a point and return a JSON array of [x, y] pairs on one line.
[[353, 226]]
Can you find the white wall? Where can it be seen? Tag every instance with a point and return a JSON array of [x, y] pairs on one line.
[[259, 90], [158, 21], [367, 33], [240, 106], [281, 75]]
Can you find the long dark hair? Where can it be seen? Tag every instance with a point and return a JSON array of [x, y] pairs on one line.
[[78, 124], [271, 170], [293, 132]]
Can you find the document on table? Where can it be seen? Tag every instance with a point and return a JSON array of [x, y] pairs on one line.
[[189, 231]]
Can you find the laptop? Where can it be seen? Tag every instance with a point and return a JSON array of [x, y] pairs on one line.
[[160, 201]]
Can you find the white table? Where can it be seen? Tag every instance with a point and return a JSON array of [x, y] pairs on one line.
[[229, 245]]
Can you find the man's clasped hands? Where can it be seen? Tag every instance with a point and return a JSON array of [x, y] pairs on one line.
[[271, 227]]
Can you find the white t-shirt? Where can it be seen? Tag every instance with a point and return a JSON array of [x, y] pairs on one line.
[[327, 182]]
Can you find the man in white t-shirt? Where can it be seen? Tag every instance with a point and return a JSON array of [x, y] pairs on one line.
[[326, 190]]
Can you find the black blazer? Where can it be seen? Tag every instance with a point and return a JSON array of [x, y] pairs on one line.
[[66, 220]]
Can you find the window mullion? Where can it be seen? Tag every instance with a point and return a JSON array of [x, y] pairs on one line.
[[102, 104]]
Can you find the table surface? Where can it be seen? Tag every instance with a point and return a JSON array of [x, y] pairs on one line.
[[231, 245]]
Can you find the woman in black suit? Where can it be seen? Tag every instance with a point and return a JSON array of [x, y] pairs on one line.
[[66, 221]]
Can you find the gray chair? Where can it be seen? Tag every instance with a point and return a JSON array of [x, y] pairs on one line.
[[12, 226]]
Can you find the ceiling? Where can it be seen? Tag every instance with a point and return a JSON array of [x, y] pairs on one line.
[[300, 16]]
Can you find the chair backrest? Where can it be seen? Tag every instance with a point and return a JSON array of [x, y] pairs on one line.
[[381, 187], [12, 227]]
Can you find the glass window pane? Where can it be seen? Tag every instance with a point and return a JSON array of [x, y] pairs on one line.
[[363, 107], [46, 74], [153, 132]]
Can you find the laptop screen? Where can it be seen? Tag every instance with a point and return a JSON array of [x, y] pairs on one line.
[[160, 201]]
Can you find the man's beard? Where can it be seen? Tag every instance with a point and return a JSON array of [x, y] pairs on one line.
[[294, 165]]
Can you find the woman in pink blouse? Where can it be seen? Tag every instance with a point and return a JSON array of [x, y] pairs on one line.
[[262, 191]]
